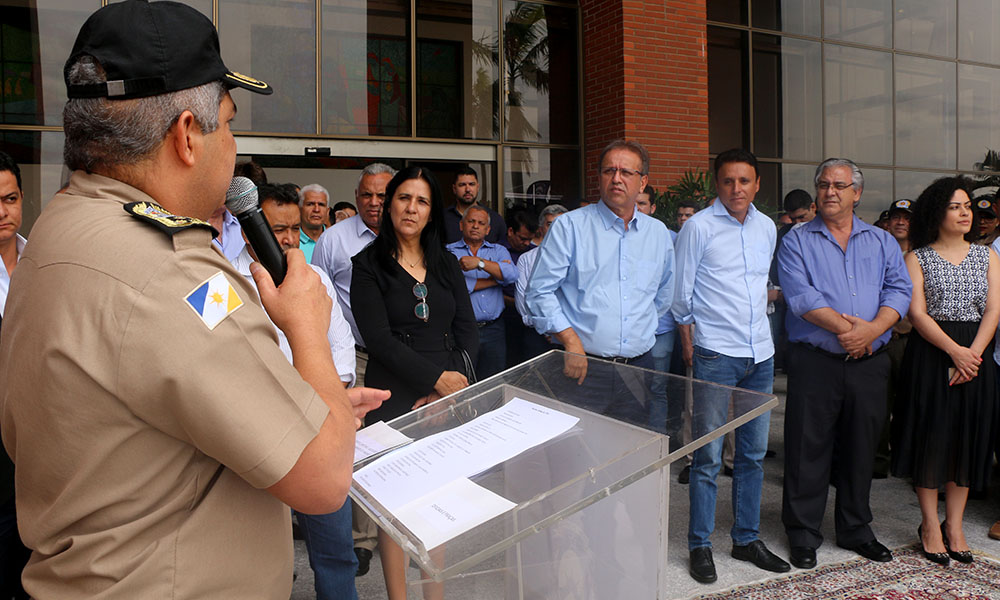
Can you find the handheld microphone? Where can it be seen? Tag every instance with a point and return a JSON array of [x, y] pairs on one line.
[[241, 200]]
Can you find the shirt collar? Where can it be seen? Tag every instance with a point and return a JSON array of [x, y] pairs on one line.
[[20, 245], [242, 262], [609, 218], [360, 228], [719, 210], [818, 225]]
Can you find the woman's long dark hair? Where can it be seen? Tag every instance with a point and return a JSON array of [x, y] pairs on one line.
[[930, 208], [386, 244]]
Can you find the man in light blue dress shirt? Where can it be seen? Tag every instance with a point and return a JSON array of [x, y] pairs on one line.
[[723, 257], [846, 285], [604, 274], [486, 266]]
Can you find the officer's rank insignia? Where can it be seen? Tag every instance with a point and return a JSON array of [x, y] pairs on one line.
[[214, 300], [163, 219]]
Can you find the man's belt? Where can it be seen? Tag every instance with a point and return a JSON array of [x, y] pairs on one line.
[[482, 324], [625, 360], [842, 356]]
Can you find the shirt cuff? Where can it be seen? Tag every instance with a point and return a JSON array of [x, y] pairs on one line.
[[805, 302], [554, 324]]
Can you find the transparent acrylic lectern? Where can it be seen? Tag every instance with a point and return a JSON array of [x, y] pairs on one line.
[[591, 505]]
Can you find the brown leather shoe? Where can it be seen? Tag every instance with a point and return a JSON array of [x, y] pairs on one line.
[[995, 531]]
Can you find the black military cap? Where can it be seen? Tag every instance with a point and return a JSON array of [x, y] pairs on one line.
[[148, 49], [903, 205]]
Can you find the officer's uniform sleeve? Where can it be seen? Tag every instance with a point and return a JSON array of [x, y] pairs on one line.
[[226, 390]]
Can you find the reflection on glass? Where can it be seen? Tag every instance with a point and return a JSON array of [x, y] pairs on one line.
[[858, 104], [537, 177], [366, 67], [978, 114], [202, 6], [540, 67], [727, 11], [33, 90], [797, 177], [926, 26], [977, 38], [876, 195], [791, 16], [909, 184], [457, 71], [925, 112], [789, 125], [276, 43], [39, 156], [728, 90], [861, 21]]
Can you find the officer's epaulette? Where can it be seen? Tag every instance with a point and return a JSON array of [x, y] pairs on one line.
[[163, 219]]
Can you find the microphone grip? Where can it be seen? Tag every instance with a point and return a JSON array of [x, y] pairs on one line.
[[263, 242]]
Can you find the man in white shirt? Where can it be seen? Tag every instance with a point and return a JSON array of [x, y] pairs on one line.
[[13, 554], [328, 537]]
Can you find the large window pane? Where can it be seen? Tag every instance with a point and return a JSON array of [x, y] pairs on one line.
[[977, 26], [727, 11], [778, 179], [860, 21], [276, 43], [909, 184], [457, 71], [366, 67], [791, 16], [789, 124], [202, 6], [978, 114], [926, 26], [536, 177], [540, 68], [33, 91], [728, 90], [39, 156], [877, 194], [925, 112], [858, 104]]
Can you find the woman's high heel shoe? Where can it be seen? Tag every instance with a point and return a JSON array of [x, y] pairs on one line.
[[940, 558], [962, 556]]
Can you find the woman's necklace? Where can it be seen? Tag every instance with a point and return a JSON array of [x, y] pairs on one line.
[[412, 265]]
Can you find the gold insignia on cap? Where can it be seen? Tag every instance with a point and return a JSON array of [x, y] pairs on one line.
[[162, 218], [984, 204], [257, 83], [903, 204]]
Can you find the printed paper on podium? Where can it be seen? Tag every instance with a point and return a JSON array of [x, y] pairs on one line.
[[376, 438]]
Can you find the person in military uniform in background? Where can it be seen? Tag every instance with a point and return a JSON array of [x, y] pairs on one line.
[[157, 430]]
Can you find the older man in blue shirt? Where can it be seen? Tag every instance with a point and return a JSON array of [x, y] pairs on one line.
[[846, 285], [723, 257], [604, 275], [487, 266]]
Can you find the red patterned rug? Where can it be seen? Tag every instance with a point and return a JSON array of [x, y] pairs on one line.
[[908, 577]]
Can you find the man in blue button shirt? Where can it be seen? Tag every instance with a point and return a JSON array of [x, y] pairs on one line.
[[723, 257], [846, 285], [487, 266], [604, 276]]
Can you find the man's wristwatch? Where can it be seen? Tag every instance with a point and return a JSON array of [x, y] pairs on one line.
[[481, 265]]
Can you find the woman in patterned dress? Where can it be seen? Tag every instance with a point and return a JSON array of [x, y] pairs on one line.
[[946, 411]]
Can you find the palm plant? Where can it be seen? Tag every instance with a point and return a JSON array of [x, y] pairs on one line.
[[694, 184]]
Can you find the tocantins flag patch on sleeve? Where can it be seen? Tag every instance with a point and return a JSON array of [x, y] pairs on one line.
[[214, 300]]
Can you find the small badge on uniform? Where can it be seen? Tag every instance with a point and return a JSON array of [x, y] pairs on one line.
[[214, 300], [163, 219]]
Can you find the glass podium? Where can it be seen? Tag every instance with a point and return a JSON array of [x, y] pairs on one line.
[[591, 504]]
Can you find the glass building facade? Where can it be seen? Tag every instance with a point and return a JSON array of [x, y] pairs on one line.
[[443, 83], [909, 89]]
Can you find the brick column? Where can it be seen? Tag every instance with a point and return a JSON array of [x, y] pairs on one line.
[[645, 77]]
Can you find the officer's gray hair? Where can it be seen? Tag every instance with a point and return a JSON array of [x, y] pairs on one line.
[[489, 218], [109, 134], [552, 209], [316, 188], [375, 169], [857, 178]]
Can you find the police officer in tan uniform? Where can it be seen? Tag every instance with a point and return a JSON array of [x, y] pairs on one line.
[[157, 430]]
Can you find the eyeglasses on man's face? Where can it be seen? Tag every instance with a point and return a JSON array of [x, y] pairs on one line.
[[837, 185], [627, 173]]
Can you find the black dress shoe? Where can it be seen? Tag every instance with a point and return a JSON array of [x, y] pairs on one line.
[[684, 477], [962, 556], [940, 558], [803, 557], [364, 560], [758, 554], [702, 567], [872, 550]]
